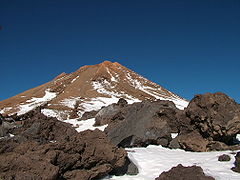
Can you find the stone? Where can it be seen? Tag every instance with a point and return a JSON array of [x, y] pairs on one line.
[[216, 116], [45, 148], [224, 157], [139, 124], [192, 142], [184, 173]]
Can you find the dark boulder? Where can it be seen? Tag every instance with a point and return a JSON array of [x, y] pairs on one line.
[[184, 173], [224, 157], [139, 124], [237, 163], [216, 116], [1, 119], [89, 115], [111, 114]]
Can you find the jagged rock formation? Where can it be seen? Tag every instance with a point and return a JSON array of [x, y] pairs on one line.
[[138, 124], [216, 116], [45, 148], [89, 88], [152, 122]]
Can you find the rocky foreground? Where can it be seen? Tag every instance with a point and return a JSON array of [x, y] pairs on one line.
[[45, 148]]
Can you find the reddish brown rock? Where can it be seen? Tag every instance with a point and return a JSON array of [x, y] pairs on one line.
[[184, 173], [216, 116], [193, 142], [45, 148]]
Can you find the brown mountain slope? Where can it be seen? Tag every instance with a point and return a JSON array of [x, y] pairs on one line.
[[89, 88]]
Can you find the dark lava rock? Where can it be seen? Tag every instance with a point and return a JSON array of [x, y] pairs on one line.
[[45, 148], [5, 126], [89, 115], [184, 173], [224, 157], [1, 119], [122, 102], [139, 124], [237, 163], [111, 114], [216, 116]]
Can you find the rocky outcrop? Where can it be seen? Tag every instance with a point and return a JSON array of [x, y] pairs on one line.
[[237, 163], [138, 124], [45, 148], [184, 173], [216, 116], [209, 123]]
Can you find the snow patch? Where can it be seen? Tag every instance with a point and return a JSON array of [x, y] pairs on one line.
[[5, 109], [35, 102], [54, 113], [180, 104], [173, 135], [70, 102], [102, 88], [238, 137], [112, 77], [99, 102], [153, 160], [85, 125], [75, 79]]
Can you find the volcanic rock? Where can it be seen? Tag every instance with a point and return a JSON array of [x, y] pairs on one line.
[[216, 116], [184, 173], [237, 163], [89, 115], [192, 142], [224, 157], [138, 124], [111, 114], [45, 148]]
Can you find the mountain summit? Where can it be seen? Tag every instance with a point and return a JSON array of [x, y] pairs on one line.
[[88, 88]]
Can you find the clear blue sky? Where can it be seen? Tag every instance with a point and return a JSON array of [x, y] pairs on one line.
[[187, 46]]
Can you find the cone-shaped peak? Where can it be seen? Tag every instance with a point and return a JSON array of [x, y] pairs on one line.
[[88, 88]]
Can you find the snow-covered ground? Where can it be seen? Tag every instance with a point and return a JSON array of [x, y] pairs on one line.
[[153, 160], [85, 124]]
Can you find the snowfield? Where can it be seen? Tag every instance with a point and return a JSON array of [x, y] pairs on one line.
[[153, 160], [36, 102]]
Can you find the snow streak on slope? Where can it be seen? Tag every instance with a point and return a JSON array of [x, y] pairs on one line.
[[153, 160], [36, 102], [154, 91]]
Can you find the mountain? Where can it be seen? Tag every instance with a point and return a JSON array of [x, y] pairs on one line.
[[88, 88]]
